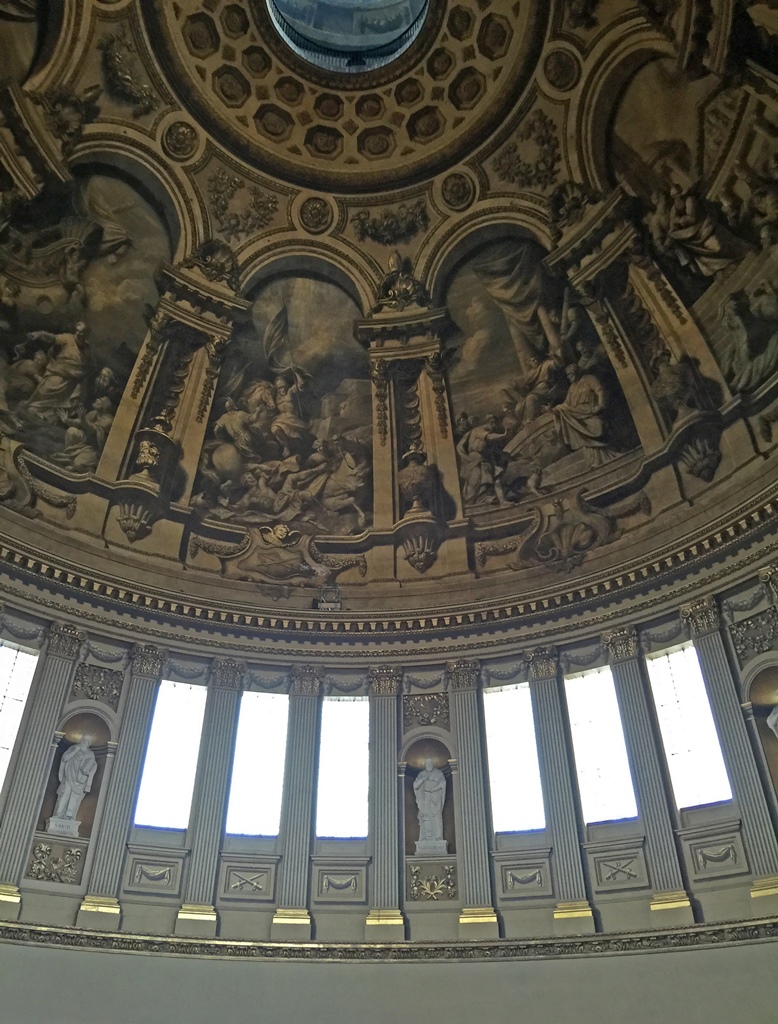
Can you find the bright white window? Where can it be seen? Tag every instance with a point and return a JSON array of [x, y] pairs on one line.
[[694, 759], [258, 766], [341, 800], [16, 671], [168, 778], [514, 774], [601, 763]]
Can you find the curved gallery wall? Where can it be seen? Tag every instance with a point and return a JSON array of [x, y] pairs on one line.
[[455, 377]]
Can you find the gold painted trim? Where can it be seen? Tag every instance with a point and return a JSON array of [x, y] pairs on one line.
[[386, 917], [477, 915], [670, 900], [767, 886], [197, 912], [572, 908], [101, 905], [10, 894], [291, 915]]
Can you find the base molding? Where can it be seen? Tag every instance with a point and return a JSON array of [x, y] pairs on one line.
[[10, 902]]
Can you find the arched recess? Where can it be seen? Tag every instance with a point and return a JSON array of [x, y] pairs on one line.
[[441, 256], [290, 256], [616, 58], [171, 194], [420, 744]]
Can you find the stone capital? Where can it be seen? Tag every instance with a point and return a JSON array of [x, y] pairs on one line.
[[463, 675], [701, 617], [622, 644], [65, 641], [543, 662], [227, 674], [385, 681], [307, 681], [148, 660]]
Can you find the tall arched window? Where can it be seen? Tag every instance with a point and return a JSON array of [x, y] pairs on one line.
[[17, 667], [514, 774], [344, 753], [257, 779]]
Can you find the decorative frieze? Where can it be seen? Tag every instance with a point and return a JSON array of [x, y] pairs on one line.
[[617, 865], [755, 635], [228, 674], [247, 879], [622, 644], [103, 685], [463, 675], [65, 640], [714, 851], [151, 871], [385, 681], [339, 880], [701, 617], [523, 875], [424, 709], [428, 882], [307, 681], [53, 862]]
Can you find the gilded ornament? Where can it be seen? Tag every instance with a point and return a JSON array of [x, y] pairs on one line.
[[46, 867], [433, 887]]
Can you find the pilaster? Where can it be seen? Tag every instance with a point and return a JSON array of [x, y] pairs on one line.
[[385, 922], [292, 920], [477, 919], [100, 908], [702, 621], [664, 864], [197, 916], [573, 913], [51, 687]]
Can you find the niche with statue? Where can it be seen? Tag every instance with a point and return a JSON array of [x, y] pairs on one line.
[[764, 698], [73, 787], [429, 800]]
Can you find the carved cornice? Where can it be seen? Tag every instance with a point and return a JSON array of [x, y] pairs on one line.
[[463, 675], [701, 617], [622, 644], [655, 940], [227, 674], [307, 681], [385, 681], [543, 662], [148, 660], [65, 641]]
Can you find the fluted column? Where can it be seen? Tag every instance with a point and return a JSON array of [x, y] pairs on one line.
[[28, 784], [572, 912], [664, 865], [385, 920], [702, 621], [100, 908], [197, 916], [291, 919], [478, 919]]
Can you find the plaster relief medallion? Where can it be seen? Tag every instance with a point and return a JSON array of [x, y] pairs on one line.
[[316, 215], [458, 191], [179, 140], [562, 70]]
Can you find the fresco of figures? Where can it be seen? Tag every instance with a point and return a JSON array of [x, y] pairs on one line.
[[290, 436], [710, 206], [76, 288], [560, 411]]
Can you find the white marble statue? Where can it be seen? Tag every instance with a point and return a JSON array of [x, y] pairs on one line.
[[772, 720], [76, 771], [429, 787]]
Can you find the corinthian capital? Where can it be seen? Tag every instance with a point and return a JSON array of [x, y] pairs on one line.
[[701, 617], [307, 680], [543, 662], [227, 674], [148, 660], [463, 675], [622, 644], [65, 640], [385, 681]]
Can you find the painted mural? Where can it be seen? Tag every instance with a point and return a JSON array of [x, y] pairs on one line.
[[536, 400], [76, 289], [289, 443]]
